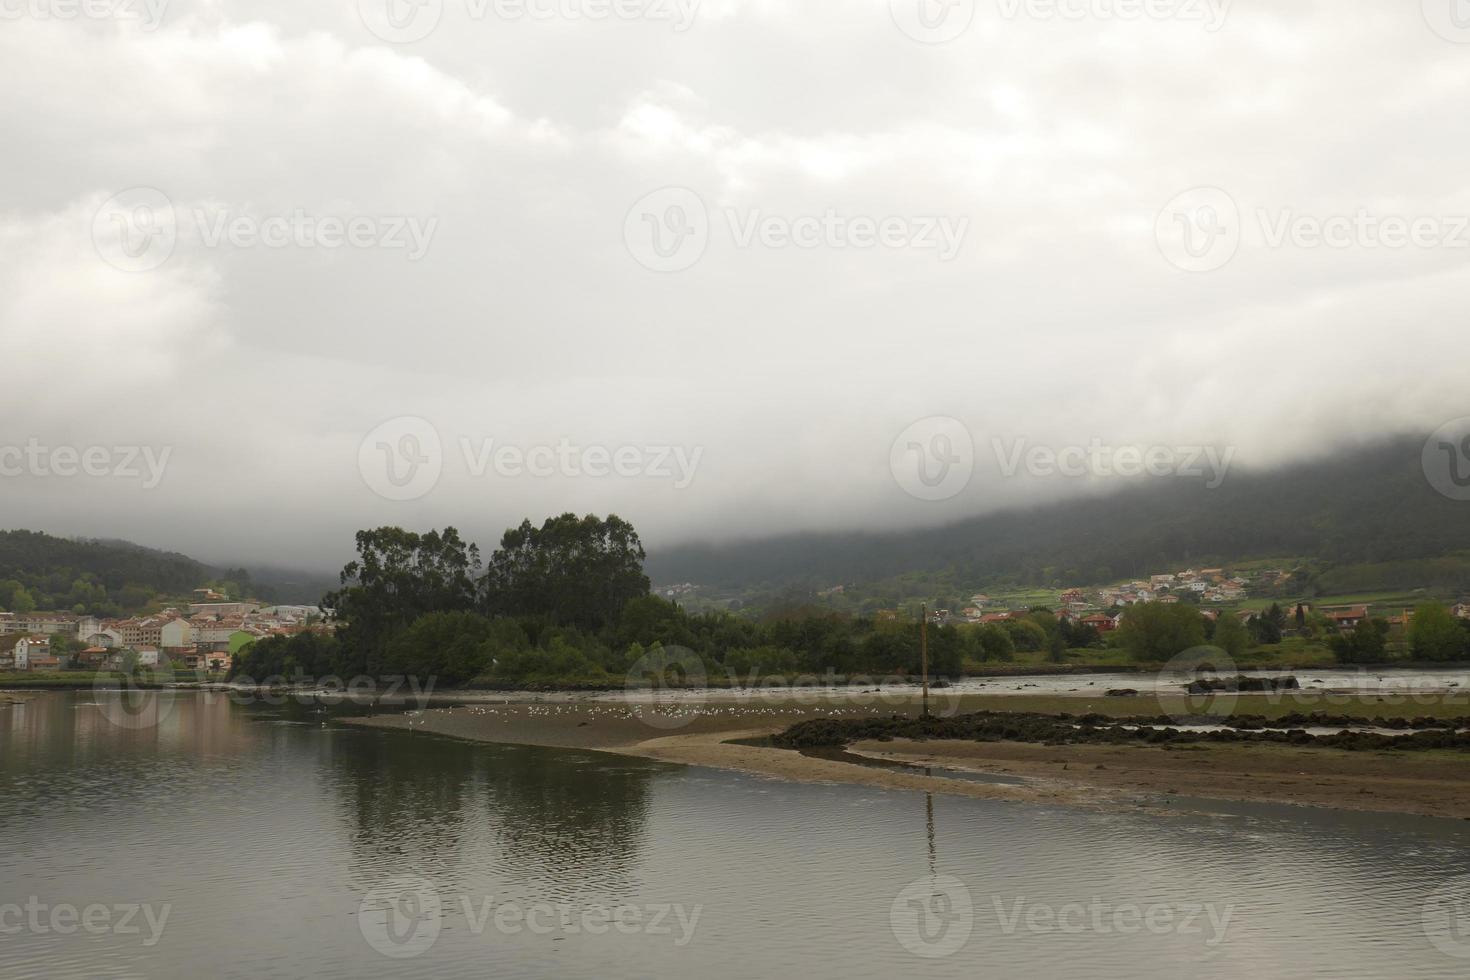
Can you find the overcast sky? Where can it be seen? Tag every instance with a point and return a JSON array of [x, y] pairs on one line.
[[746, 242]]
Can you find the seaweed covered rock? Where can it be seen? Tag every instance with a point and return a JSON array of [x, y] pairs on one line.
[[1241, 683], [1093, 728]]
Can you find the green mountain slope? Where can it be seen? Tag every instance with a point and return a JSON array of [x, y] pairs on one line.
[[110, 578], [1364, 505]]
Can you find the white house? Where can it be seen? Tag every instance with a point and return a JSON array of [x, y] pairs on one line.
[[174, 633], [29, 647]]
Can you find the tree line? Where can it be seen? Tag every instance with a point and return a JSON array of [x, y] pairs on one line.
[[1155, 631], [568, 602]]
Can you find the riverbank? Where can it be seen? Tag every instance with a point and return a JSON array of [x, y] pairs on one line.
[[1157, 778], [1434, 784], [77, 680], [719, 738]]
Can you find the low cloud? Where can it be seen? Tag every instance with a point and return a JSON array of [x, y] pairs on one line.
[[527, 319]]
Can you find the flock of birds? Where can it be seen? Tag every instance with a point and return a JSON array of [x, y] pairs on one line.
[[585, 710], [586, 713]]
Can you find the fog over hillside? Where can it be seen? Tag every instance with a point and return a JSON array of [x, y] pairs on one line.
[[1371, 505], [707, 276]]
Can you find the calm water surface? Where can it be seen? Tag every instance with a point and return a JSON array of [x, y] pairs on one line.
[[283, 844]]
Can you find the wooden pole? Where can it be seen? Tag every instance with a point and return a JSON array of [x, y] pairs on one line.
[[924, 651]]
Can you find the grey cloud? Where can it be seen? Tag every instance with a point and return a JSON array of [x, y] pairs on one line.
[[528, 321]]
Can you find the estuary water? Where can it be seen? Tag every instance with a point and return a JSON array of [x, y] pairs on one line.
[[233, 840]]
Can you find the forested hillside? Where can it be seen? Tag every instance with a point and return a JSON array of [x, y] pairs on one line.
[[1357, 507], [112, 578]]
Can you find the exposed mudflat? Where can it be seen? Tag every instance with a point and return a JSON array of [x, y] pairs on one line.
[[1432, 783]]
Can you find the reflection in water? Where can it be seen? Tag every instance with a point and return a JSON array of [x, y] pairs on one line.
[[929, 826], [564, 821], [580, 828], [265, 829]]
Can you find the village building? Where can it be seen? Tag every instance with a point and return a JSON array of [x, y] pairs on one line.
[[1347, 617], [30, 651], [222, 608], [93, 657], [35, 622], [103, 638]]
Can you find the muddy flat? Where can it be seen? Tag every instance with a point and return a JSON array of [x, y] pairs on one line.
[[1426, 783], [1433, 783]]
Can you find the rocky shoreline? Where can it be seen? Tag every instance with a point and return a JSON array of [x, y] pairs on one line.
[[1066, 729]]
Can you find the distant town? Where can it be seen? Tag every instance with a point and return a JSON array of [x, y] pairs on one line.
[[1104, 609], [1217, 591], [204, 635]]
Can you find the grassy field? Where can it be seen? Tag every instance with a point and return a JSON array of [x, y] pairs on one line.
[[1293, 652], [1041, 661], [64, 679], [1380, 602], [1454, 704], [1017, 599], [48, 678]]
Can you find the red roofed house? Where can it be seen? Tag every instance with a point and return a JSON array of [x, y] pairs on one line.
[[1348, 617]]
